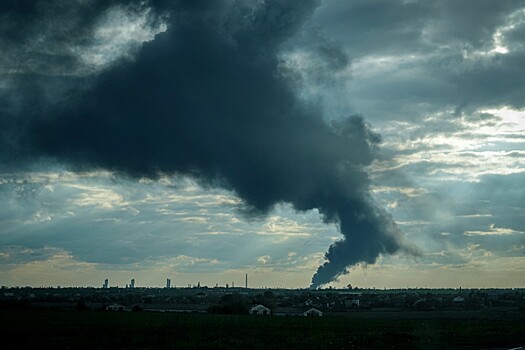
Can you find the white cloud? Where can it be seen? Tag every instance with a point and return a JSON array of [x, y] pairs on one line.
[[284, 227], [97, 197], [265, 259], [38, 218], [119, 33], [492, 230]]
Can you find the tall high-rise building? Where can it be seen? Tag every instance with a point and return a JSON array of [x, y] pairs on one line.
[[168, 283], [132, 284], [106, 284], [246, 281]]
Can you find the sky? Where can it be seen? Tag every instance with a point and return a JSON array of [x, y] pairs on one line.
[[304, 143]]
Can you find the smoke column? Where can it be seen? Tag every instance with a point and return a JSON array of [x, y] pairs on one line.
[[207, 99]]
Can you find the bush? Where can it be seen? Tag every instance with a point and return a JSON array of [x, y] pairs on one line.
[[230, 304]]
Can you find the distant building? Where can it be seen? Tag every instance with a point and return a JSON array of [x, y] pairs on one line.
[[200, 295], [132, 284], [424, 304], [115, 307], [106, 284], [168, 283], [313, 312], [352, 303], [260, 310], [458, 300]]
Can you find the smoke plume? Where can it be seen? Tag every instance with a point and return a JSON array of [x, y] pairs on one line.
[[206, 98]]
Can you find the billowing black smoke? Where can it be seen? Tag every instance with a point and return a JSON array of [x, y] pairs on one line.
[[207, 99]]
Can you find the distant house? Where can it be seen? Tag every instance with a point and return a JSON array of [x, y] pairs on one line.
[[458, 300], [352, 302], [260, 310], [200, 295], [424, 304], [313, 312], [115, 307]]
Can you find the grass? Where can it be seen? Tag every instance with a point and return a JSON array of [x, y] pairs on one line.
[[144, 330]]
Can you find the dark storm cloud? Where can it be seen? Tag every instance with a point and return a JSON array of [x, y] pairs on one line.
[[494, 83], [44, 44], [368, 27], [471, 21], [396, 26], [436, 54], [206, 99]]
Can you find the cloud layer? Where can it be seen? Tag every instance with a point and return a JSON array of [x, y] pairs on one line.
[[207, 99], [253, 98]]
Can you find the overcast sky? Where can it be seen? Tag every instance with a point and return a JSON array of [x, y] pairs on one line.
[[307, 143]]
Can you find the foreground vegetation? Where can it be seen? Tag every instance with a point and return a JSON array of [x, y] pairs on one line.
[[148, 330]]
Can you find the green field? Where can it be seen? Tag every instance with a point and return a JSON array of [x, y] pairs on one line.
[[144, 330]]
